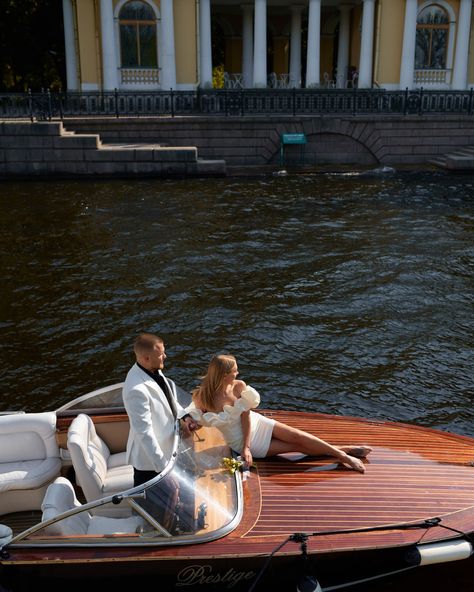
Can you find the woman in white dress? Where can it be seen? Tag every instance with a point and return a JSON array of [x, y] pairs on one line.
[[224, 402]]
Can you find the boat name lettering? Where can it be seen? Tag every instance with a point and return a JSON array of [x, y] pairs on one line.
[[204, 574]]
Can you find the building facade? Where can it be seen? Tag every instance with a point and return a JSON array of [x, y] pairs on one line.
[[136, 45]]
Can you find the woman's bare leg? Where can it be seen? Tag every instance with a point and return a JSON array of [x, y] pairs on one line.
[[288, 439], [357, 451]]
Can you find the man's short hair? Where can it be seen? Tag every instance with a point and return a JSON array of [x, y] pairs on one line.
[[145, 343]]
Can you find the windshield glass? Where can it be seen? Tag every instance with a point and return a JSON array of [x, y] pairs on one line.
[[194, 499], [107, 398]]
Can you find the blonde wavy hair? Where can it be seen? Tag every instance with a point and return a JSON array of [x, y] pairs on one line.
[[219, 367]]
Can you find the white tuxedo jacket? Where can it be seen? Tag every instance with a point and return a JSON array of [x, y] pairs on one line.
[[151, 436]]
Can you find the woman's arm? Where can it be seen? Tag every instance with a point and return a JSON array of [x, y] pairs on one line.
[[197, 403], [239, 386], [246, 454]]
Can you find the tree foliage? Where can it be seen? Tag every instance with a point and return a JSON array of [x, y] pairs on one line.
[[31, 45]]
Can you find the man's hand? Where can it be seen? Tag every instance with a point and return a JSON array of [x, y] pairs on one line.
[[189, 425]]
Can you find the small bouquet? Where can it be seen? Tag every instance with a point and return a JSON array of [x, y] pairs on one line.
[[231, 464]]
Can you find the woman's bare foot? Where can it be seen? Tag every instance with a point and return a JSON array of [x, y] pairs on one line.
[[354, 463], [357, 451]]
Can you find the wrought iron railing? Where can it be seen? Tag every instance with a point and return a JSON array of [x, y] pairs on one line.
[[60, 105]]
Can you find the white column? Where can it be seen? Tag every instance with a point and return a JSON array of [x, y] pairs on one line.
[[247, 45], [109, 62], [295, 46], [314, 44], [343, 45], [260, 45], [366, 44], [407, 69], [205, 44], [168, 59], [459, 81], [70, 47]]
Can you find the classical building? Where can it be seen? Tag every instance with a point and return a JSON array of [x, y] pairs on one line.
[[136, 45]]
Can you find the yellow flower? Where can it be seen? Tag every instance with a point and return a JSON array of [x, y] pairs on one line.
[[231, 464]]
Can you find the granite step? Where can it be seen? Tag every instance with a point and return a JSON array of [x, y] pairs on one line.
[[458, 160], [125, 146]]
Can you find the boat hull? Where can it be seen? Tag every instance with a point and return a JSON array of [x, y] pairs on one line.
[[375, 570]]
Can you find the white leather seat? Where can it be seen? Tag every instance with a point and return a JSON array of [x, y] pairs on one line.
[[98, 472], [60, 497], [29, 459]]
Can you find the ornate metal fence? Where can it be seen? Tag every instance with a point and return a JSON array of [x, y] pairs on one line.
[[47, 105]]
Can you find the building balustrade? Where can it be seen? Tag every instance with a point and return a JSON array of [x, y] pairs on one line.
[[140, 76], [431, 77]]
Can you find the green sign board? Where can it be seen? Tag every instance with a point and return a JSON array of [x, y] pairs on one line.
[[293, 139]]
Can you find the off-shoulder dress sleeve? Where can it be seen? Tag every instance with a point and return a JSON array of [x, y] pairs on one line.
[[249, 399]]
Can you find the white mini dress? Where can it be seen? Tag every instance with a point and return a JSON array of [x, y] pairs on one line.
[[229, 423]]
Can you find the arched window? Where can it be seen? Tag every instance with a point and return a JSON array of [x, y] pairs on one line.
[[432, 36], [138, 35]]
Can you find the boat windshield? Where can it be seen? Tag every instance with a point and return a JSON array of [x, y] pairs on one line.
[[107, 399], [195, 499]]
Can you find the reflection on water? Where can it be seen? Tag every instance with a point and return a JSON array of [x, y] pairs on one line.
[[348, 294]]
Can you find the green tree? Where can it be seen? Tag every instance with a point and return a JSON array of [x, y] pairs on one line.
[[31, 45]]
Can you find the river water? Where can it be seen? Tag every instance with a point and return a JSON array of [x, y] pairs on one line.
[[343, 293]]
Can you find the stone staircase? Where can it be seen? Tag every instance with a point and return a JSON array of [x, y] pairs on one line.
[[47, 149], [458, 160]]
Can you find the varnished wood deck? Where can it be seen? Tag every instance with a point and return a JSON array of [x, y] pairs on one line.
[[412, 474]]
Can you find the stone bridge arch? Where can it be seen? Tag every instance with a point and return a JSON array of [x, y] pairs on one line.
[[334, 141]]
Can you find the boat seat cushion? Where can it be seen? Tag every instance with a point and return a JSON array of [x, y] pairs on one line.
[[98, 472], [60, 497], [29, 459], [6, 535], [119, 476], [28, 474], [106, 525], [28, 436]]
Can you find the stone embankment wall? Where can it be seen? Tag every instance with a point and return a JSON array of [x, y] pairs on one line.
[[165, 147], [48, 150], [331, 140]]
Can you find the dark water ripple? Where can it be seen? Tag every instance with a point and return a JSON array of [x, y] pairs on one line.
[[348, 294]]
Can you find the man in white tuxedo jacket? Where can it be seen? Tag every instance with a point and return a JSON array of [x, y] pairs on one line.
[[152, 407]]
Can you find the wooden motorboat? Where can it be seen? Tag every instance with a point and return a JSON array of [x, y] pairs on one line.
[[291, 522]]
